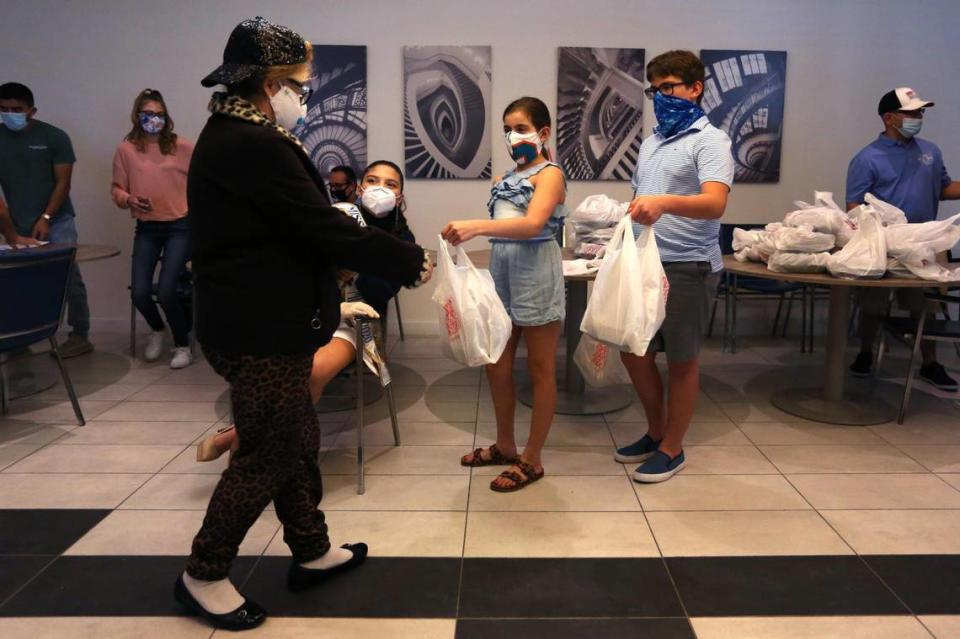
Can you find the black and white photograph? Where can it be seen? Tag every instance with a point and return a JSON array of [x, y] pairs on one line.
[[599, 112], [446, 111], [335, 130], [744, 95]]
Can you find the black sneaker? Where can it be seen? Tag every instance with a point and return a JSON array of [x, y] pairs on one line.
[[936, 375], [862, 366]]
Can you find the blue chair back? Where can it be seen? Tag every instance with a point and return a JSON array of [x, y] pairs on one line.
[[33, 290]]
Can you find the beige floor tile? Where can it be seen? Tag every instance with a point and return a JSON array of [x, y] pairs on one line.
[[97, 459], [889, 627], [407, 377], [396, 492], [329, 628], [135, 432], [103, 627], [916, 433], [92, 391], [800, 433], [398, 460], [863, 492], [723, 433], [559, 534], [166, 412], [840, 459], [31, 433], [198, 373], [394, 534], [589, 433], [174, 492], [162, 532], [745, 533], [57, 412], [181, 393], [571, 460], [721, 492], [894, 532], [942, 626], [952, 479], [59, 490], [10, 454], [756, 411], [411, 434], [557, 493], [726, 460], [522, 414], [186, 462], [101, 376], [939, 459]]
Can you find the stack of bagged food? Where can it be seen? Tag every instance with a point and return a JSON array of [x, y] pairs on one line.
[[868, 241], [593, 224]]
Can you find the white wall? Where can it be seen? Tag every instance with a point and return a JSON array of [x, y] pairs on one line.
[[86, 60]]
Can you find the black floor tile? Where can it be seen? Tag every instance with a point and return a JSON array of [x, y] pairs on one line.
[[574, 629], [16, 571], [741, 586], [106, 587], [928, 584], [44, 532], [382, 587], [567, 588]]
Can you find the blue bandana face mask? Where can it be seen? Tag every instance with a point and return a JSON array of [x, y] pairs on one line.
[[152, 124], [674, 114]]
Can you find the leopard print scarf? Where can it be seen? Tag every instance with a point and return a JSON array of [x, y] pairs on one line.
[[234, 106]]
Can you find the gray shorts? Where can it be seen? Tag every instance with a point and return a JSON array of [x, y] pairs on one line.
[[876, 301], [693, 287]]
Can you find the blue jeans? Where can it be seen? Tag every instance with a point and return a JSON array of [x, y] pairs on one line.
[[168, 243], [63, 230]]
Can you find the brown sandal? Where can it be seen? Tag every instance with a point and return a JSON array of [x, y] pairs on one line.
[[497, 458], [529, 476]]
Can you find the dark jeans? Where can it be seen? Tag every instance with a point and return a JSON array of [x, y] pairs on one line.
[[168, 243]]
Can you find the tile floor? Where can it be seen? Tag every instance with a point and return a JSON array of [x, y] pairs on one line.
[[778, 527]]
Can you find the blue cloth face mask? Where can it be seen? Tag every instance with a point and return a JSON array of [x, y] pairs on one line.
[[523, 147], [14, 121], [152, 124], [674, 114], [910, 127]]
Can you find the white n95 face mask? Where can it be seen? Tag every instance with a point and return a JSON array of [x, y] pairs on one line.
[[287, 108], [379, 200]]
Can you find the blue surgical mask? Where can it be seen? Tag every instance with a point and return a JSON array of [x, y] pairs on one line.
[[14, 121], [674, 114], [910, 127], [152, 124]]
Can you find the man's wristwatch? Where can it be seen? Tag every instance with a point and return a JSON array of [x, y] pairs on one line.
[[47, 217]]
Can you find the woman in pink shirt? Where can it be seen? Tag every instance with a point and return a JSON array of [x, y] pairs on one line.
[[150, 179]]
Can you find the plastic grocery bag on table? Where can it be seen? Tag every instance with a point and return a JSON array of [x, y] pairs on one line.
[[865, 255], [629, 299], [889, 214], [825, 216], [473, 324], [599, 364], [788, 262], [803, 239], [915, 247]]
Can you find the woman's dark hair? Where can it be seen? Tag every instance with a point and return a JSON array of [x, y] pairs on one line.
[[536, 110], [167, 138], [386, 163]]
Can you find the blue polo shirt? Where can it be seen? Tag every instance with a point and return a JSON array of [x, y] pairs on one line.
[[910, 175], [679, 165]]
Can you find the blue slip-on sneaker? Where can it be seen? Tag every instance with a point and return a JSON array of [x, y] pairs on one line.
[[658, 468], [636, 452]]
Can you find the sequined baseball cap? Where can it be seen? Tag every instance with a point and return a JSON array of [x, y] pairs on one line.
[[254, 45]]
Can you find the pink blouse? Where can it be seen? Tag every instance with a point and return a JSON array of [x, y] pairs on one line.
[[162, 178]]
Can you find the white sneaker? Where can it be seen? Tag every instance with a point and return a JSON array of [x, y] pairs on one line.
[[181, 357], [154, 346]]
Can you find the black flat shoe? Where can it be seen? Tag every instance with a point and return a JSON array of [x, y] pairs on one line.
[[300, 578], [246, 617]]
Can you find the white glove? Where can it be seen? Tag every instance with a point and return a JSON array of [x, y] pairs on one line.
[[350, 310]]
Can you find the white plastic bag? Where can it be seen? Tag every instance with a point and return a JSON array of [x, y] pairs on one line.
[[629, 299], [939, 235], [803, 239], [599, 364], [825, 216], [473, 324], [598, 211], [788, 262], [889, 214], [865, 255], [743, 238]]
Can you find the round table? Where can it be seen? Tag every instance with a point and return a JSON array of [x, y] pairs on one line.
[[573, 396], [831, 403], [28, 375]]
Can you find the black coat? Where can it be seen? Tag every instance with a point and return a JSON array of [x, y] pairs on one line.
[[267, 244]]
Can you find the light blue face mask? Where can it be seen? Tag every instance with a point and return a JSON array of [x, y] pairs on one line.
[[910, 127], [14, 121]]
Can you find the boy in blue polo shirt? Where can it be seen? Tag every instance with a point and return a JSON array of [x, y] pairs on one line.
[[681, 184], [908, 172]]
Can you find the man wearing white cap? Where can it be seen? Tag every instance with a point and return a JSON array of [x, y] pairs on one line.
[[908, 172]]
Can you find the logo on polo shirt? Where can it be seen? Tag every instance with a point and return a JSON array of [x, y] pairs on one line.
[[926, 159], [38, 147]]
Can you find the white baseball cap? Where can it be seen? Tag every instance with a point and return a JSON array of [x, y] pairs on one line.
[[902, 99]]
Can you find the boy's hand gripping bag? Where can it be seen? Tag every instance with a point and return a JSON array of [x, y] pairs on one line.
[[473, 324], [629, 299]]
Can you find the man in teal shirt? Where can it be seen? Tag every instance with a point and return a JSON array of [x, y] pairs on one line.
[[36, 162]]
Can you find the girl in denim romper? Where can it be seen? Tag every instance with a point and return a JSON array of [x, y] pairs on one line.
[[526, 207]]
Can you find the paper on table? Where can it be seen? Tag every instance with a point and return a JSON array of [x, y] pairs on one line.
[[580, 267], [7, 247]]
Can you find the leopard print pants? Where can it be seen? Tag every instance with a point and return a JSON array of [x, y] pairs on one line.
[[277, 460]]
